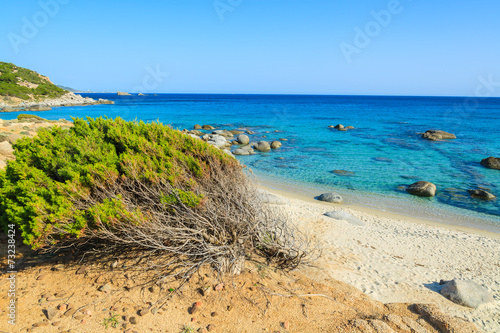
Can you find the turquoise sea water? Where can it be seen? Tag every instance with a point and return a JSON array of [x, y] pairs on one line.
[[384, 150]]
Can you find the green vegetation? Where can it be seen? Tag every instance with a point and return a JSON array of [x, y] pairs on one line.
[[50, 190], [11, 76], [112, 321], [29, 117]]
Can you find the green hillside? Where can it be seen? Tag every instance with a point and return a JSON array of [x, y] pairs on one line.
[[26, 84]]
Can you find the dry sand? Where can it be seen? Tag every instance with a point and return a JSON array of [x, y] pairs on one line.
[[394, 258]]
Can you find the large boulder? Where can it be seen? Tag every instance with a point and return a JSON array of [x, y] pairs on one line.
[[345, 216], [435, 135], [330, 197], [263, 146], [6, 149], [422, 189], [207, 127], [8, 109], [197, 127], [491, 163], [466, 293], [243, 139], [481, 194], [218, 141], [14, 137], [121, 93]]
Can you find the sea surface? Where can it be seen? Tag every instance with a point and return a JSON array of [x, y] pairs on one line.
[[383, 153]]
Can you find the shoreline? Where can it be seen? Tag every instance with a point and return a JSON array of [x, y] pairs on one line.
[[449, 220], [398, 259], [68, 99]]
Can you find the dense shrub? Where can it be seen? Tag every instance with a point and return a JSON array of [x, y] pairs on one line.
[[144, 186]]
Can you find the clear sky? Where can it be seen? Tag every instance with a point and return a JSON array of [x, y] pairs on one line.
[[388, 47]]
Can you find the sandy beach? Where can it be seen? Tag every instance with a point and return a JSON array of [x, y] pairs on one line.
[[394, 258]]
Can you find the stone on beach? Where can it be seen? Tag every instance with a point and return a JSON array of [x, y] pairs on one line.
[[435, 135], [270, 198], [344, 216], [330, 197], [422, 189], [466, 293], [491, 163]]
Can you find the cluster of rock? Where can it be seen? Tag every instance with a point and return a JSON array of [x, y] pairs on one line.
[[341, 127], [436, 135], [225, 139], [68, 99], [427, 189], [121, 93]]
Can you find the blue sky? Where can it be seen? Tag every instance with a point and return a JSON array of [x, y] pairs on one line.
[[259, 46]]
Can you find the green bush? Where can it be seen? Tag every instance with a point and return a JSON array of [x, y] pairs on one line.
[[28, 117], [44, 189]]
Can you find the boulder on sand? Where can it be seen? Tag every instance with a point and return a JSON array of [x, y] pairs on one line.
[[466, 293], [491, 163], [435, 135], [345, 216], [422, 189], [330, 197]]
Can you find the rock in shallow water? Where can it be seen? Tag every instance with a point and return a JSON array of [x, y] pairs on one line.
[[434, 135], [422, 189], [345, 216], [491, 163], [481, 194], [466, 293], [330, 197]]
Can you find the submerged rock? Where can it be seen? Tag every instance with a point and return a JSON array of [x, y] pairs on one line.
[[343, 173], [435, 135], [422, 189], [330, 197], [491, 163], [466, 293], [481, 194]]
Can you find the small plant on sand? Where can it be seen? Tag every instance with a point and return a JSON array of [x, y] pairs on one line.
[[112, 321], [188, 329], [145, 189], [29, 117]]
